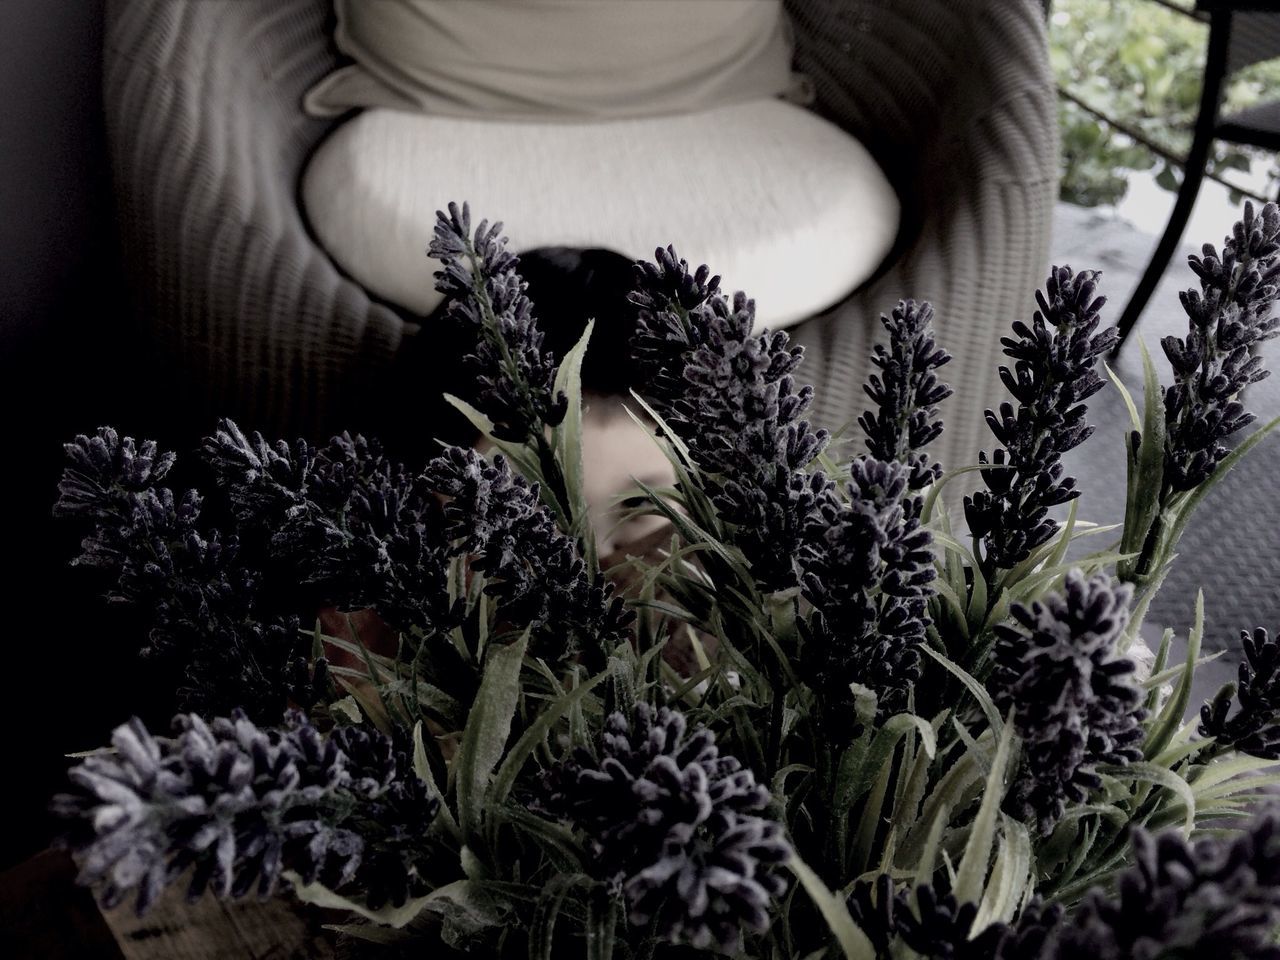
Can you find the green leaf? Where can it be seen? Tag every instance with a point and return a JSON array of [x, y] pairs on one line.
[[1170, 718], [1125, 395], [871, 820], [935, 490], [347, 707], [1145, 467], [466, 908], [423, 769], [1149, 773], [973, 686], [535, 736], [877, 756], [1172, 673], [972, 872], [1009, 877], [321, 896], [853, 942], [542, 926], [1220, 771], [602, 926], [686, 460], [524, 459], [928, 860], [566, 440], [487, 729]]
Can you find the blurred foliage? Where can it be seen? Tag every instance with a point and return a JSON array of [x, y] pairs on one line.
[[1142, 65]]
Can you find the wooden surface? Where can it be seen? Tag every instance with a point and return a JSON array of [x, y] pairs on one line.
[[44, 914]]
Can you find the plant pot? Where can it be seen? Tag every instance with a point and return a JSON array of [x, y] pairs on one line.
[[43, 913]]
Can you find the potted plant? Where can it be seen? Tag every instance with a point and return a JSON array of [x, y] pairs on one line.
[[898, 740]]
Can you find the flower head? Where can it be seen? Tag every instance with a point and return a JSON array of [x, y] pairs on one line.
[[676, 824], [497, 518], [938, 927], [1219, 897], [1053, 374], [514, 374], [1254, 728], [234, 804], [732, 398], [1074, 699], [869, 576], [907, 392], [1229, 317], [231, 641]]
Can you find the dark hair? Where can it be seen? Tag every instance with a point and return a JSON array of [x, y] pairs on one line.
[[568, 287]]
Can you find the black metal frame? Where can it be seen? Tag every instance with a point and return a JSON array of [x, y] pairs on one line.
[[1207, 129]]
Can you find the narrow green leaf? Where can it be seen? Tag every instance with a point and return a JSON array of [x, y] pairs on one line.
[[524, 459], [1173, 673], [1009, 876], [1170, 718], [1145, 468], [566, 440], [973, 686], [972, 871], [1125, 395], [853, 942], [935, 490], [928, 860], [1235, 788], [1221, 771], [423, 769], [542, 927], [602, 926], [1144, 772], [535, 735], [488, 726], [871, 820], [321, 896], [1068, 534], [686, 460]]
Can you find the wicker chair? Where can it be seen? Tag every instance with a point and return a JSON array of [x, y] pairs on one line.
[[251, 319]]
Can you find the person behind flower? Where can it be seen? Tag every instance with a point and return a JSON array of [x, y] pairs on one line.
[[570, 287]]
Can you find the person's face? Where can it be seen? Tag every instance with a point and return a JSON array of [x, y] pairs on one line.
[[616, 451]]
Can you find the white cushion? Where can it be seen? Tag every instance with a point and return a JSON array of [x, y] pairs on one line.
[[778, 201]]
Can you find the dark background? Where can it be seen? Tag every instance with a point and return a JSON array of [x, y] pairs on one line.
[[65, 348]]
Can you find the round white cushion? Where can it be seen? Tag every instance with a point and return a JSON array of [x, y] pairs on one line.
[[778, 201]]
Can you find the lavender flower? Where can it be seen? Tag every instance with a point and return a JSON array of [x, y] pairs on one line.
[[349, 526], [236, 805], [1230, 316], [874, 906], [209, 612], [938, 927], [530, 566], [868, 576], [1074, 699], [1219, 897], [263, 482], [1052, 376], [942, 929], [1255, 726], [676, 824], [907, 392], [105, 470], [732, 399], [514, 374]]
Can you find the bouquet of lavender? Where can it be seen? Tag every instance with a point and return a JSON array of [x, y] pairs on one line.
[[897, 741]]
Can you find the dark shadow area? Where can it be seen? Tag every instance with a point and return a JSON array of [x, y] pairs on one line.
[[65, 367]]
